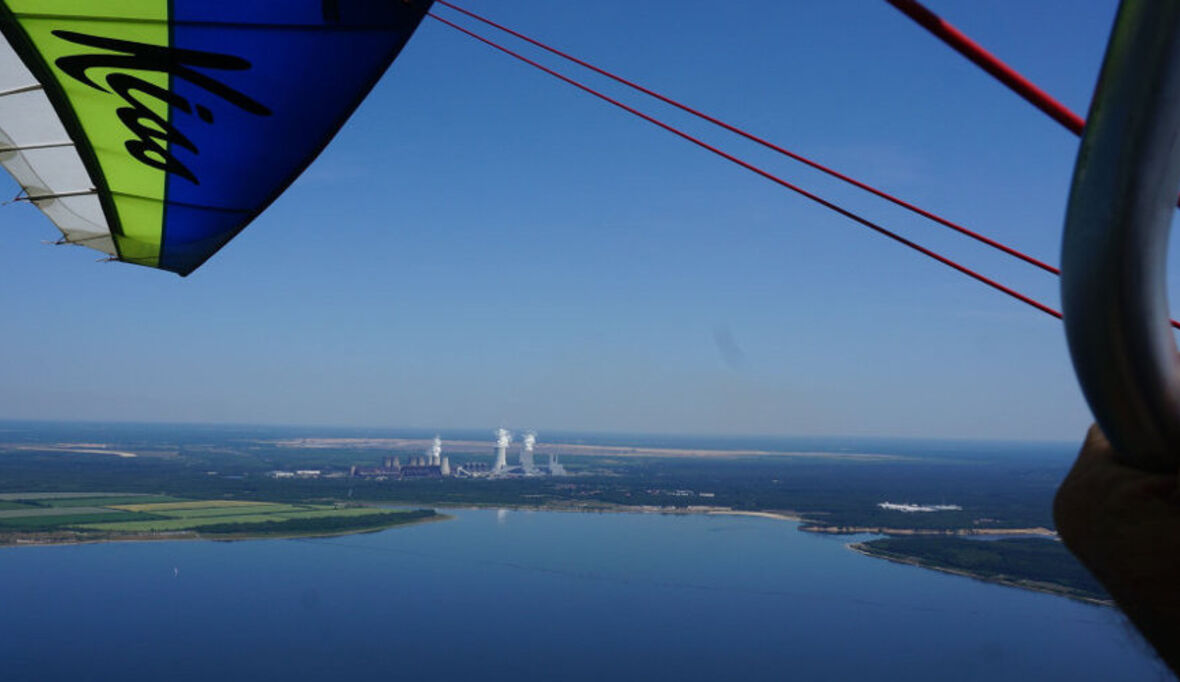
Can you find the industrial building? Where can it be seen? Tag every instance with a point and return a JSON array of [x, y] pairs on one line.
[[526, 465], [432, 464]]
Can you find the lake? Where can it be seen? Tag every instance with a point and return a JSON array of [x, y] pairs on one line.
[[515, 595]]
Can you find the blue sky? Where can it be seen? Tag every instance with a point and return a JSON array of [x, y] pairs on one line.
[[484, 245]]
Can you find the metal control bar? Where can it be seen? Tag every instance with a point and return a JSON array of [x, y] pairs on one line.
[[1114, 255]]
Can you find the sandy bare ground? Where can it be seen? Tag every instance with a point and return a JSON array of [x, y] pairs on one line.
[[781, 516], [69, 448], [469, 446]]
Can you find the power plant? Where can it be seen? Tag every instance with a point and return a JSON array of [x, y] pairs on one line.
[[432, 464]]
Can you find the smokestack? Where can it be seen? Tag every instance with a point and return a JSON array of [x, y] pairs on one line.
[[555, 469], [436, 452], [503, 438], [526, 452]]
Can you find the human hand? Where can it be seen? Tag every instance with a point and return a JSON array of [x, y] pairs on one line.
[[1124, 525]]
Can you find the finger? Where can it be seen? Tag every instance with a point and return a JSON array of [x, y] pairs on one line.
[[1096, 451], [1099, 471]]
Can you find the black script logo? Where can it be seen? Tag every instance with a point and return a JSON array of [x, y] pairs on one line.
[[331, 11], [154, 135]]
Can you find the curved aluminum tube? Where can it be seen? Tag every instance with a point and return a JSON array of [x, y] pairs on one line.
[[1114, 255]]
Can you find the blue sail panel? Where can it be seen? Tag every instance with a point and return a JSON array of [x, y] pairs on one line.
[[269, 85]]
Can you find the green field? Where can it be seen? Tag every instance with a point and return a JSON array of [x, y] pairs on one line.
[[64, 521], [375, 520], [66, 500], [282, 512], [227, 511], [124, 514], [106, 501], [321, 512], [185, 505], [170, 525], [43, 496], [54, 511]]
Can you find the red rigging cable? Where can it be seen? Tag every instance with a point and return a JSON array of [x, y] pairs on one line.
[[911, 8], [773, 178], [765, 143], [990, 63]]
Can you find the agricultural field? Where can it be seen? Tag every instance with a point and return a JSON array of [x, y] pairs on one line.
[[64, 518], [103, 501], [185, 505], [199, 512]]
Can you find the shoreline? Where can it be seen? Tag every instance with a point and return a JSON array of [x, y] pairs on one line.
[[74, 538], [803, 525], [960, 532], [609, 508], [781, 516], [1044, 588], [858, 547]]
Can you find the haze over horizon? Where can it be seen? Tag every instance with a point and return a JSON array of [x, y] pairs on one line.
[[546, 436], [482, 244]]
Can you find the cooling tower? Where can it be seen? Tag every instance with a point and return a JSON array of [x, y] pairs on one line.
[[526, 452], [503, 438]]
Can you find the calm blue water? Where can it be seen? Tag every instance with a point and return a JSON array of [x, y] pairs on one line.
[[536, 596]]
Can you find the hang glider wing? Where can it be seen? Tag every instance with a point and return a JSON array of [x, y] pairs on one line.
[[156, 130]]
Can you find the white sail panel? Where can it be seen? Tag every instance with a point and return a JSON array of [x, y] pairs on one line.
[[36, 149]]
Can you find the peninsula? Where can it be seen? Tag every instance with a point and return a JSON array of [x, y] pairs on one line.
[[64, 518]]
